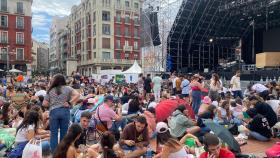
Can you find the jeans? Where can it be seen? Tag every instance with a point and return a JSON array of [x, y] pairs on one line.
[[258, 136], [237, 94], [157, 95], [45, 146], [59, 119], [196, 101]]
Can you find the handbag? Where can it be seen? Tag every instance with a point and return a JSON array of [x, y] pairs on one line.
[[33, 149], [101, 125]]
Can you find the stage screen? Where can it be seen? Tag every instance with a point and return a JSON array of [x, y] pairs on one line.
[[271, 40]]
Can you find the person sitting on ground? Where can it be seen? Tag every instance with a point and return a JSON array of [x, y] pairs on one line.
[[66, 148], [84, 123], [213, 148], [25, 132], [261, 90], [191, 142], [258, 126], [264, 109], [171, 147], [87, 105], [224, 114], [205, 103], [134, 105], [152, 102], [180, 123], [135, 136], [236, 111], [208, 114]]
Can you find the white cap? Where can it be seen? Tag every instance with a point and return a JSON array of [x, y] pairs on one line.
[[161, 127]]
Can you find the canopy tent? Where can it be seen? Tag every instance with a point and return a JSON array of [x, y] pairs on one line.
[[131, 74], [134, 69], [15, 71]]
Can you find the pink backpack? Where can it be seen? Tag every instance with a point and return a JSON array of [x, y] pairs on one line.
[[273, 152]]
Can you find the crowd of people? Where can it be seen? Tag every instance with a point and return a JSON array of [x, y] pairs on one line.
[[77, 117]]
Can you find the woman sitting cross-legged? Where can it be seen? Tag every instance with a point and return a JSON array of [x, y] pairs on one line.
[[25, 132]]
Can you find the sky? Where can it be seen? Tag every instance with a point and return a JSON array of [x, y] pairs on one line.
[[42, 13]]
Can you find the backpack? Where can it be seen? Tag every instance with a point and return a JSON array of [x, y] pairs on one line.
[[273, 152]]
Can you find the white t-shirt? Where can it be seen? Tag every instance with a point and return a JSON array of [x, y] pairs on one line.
[[41, 92], [259, 88], [174, 82], [235, 82], [274, 105], [21, 134], [152, 104]]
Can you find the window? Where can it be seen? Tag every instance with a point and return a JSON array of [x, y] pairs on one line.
[[94, 54], [126, 31], [106, 3], [126, 4], [118, 44], [20, 54], [136, 45], [106, 42], [106, 55], [118, 55], [4, 20], [126, 55], [94, 16], [126, 43], [119, 17], [20, 22], [4, 37], [4, 53], [94, 30], [136, 20], [20, 7], [135, 32], [127, 18], [105, 16], [20, 38], [94, 43], [106, 29], [118, 30], [118, 3], [135, 56], [136, 5], [4, 5]]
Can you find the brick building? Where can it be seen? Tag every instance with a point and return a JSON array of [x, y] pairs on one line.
[[15, 34], [105, 34]]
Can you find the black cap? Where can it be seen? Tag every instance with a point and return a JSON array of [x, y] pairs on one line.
[[109, 97]]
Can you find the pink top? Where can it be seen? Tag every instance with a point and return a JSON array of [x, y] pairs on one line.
[[106, 114]]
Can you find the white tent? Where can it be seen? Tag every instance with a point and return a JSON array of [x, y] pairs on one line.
[[134, 69], [131, 74]]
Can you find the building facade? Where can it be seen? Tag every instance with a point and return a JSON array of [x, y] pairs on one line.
[[105, 34], [58, 25], [40, 55], [15, 34], [62, 49]]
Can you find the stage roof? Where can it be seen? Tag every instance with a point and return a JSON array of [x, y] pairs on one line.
[[224, 21]]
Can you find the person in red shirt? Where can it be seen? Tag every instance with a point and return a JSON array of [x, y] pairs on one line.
[[213, 148]]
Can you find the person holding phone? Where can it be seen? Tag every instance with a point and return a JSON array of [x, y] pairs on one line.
[[212, 147]]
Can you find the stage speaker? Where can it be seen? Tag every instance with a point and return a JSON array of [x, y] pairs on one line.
[[155, 29]]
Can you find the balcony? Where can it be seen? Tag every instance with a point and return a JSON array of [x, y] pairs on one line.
[[136, 23], [99, 61], [20, 42], [19, 11], [4, 41], [127, 48], [4, 9]]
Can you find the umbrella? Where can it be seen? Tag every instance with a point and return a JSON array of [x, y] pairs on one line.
[[223, 134], [165, 108], [15, 71], [99, 101]]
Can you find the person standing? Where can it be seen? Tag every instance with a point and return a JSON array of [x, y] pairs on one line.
[[147, 85], [215, 87], [140, 84], [178, 85], [59, 98], [196, 87], [236, 85], [185, 86], [157, 80]]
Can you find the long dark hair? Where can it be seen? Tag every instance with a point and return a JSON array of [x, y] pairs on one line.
[[61, 150], [107, 142], [216, 79], [5, 111], [31, 118], [166, 139], [57, 82]]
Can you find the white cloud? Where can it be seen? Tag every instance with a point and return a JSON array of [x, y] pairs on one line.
[[53, 7], [41, 37], [40, 20]]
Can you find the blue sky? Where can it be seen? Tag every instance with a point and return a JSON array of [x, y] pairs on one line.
[[42, 13]]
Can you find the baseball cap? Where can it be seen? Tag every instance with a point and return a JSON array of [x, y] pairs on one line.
[[109, 97], [161, 127], [206, 100], [91, 101]]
